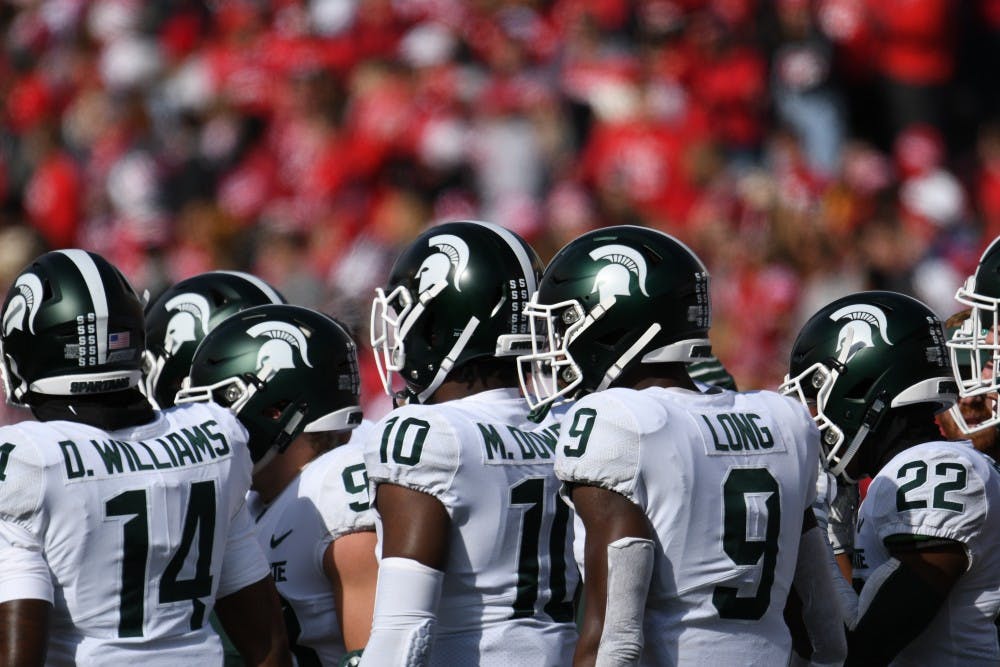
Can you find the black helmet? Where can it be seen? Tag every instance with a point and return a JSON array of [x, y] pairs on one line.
[[609, 300], [861, 356], [72, 325], [282, 370], [179, 319], [457, 293]]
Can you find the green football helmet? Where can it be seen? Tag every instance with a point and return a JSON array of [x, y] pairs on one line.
[[609, 300], [282, 370], [859, 357], [181, 317], [457, 293], [72, 325], [975, 346]]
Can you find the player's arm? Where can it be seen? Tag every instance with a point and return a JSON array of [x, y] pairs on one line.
[[252, 619], [25, 588], [415, 527], [24, 629], [814, 589], [618, 564], [350, 565], [840, 528], [901, 598]]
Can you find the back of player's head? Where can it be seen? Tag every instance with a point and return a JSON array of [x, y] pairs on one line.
[[282, 370], [179, 319], [72, 327], [608, 301], [455, 295], [860, 357]]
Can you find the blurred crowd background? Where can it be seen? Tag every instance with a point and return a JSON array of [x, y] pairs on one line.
[[803, 148]]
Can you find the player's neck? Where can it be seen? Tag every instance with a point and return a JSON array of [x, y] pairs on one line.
[[666, 375], [271, 480], [454, 389]]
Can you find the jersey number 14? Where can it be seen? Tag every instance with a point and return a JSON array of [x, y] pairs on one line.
[[199, 521]]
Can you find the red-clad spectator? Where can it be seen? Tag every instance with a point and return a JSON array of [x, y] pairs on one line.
[[52, 196], [29, 103], [930, 196], [915, 55], [988, 183], [641, 161], [730, 82], [915, 39], [607, 15]]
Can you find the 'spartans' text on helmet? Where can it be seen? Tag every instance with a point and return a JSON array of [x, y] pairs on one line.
[[24, 305], [614, 280], [190, 312], [452, 253], [856, 334], [277, 351]]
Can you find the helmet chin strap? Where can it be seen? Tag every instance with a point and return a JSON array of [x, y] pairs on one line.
[[449, 360], [840, 469], [616, 369]]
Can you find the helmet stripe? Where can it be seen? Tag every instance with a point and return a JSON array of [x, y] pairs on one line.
[[519, 252], [95, 285], [268, 291]]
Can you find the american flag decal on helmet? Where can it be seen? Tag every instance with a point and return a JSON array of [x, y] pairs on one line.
[[117, 341]]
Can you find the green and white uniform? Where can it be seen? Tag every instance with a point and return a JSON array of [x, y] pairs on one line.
[[725, 479], [508, 585], [328, 500], [130, 534], [941, 490]]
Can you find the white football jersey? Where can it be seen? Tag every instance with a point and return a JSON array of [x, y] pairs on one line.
[[944, 490], [141, 530], [725, 479], [328, 500], [510, 579]]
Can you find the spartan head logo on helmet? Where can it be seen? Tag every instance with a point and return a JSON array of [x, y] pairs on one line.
[[24, 304], [856, 334], [277, 351], [615, 279], [452, 253], [191, 312]]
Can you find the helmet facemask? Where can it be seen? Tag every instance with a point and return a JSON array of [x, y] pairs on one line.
[[394, 316], [14, 391], [388, 313], [812, 387], [549, 375], [975, 353]]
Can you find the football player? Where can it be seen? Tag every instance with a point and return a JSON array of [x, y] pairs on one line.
[[181, 317], [291, 376], [975, 353], [963, 420], [693, 502], [120, 527], [876, 367], [476, 565]]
